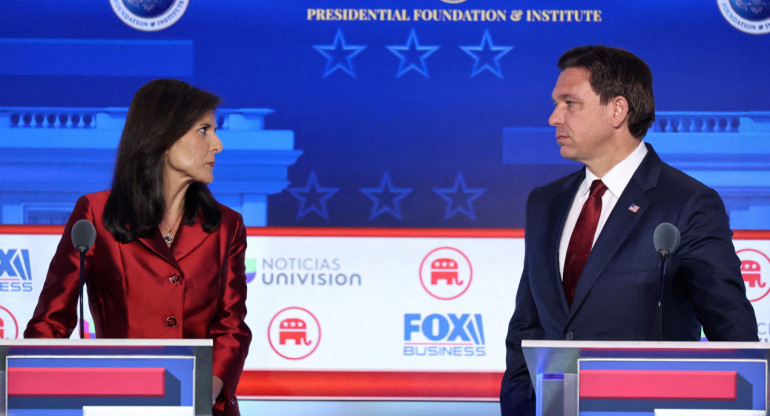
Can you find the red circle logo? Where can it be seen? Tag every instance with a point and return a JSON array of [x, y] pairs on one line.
[[9, 328], [446, 273], [755, 269], [294, 333]]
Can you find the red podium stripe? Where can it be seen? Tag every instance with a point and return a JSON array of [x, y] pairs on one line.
[[86, 382], [658, 385], [370, 384]]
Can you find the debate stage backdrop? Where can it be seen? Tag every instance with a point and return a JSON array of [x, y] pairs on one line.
[[381, 153]]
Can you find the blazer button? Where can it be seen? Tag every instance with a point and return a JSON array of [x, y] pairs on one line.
[[170, 321], [174, 278], [569, 336], [232, 402]]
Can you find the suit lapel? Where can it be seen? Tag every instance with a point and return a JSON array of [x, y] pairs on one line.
[[619, 225], [560, 207]]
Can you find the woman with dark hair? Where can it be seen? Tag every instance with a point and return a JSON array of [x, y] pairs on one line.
[[168, 261]]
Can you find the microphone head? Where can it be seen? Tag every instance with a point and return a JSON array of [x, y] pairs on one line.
[[83, 235], [666, 238]]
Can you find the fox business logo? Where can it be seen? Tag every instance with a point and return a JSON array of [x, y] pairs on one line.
[[15, 275], [444, 335]]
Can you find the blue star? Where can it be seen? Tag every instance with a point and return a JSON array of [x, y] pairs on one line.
[[460, 198], [385, 198], [312, 198], [486, 55], [339, 55], [412, 55]]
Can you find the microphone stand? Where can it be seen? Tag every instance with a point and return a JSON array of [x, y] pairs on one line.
[[663, 257], [82, 250], [83, 237]]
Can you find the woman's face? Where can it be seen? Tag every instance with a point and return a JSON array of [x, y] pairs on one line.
[[191, 158]]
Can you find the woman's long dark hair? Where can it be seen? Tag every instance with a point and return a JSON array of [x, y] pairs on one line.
[[160, 113]]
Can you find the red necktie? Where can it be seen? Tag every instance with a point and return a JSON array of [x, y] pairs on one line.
[[582, 239]]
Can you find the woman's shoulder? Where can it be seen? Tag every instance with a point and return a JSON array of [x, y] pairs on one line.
[[93, 202], [97, 198], [230, 217], [232, 225]]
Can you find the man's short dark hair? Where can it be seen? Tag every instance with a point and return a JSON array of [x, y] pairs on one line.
[[616, 72]]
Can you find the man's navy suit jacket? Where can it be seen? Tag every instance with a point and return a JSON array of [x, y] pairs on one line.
[[616, 295]]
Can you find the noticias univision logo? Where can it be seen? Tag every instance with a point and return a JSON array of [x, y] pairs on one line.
[[251, 269], [444, 335], [149, 15], [15, 274], [301, 271], [88, 329]]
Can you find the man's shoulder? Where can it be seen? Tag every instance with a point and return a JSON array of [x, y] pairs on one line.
[[674, 180], [565, 183]]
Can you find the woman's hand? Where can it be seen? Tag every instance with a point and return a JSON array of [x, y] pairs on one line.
[[216, 388]]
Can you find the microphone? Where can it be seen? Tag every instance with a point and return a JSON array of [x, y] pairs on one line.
[[83, 237], [666, 239]]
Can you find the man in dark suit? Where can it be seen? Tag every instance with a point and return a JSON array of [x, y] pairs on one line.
[[590, 268]]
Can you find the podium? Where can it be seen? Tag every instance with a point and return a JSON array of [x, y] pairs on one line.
[[591, 378], [105, 377]]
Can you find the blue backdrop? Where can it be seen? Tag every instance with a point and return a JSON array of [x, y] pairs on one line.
[[399, 123]]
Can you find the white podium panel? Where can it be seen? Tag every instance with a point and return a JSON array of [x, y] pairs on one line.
[[590, 378], [105, 377]]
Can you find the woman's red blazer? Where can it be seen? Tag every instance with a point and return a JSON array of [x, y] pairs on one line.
[[144, 289]]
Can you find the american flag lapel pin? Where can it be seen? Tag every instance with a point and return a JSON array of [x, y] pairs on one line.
[[633, 208]]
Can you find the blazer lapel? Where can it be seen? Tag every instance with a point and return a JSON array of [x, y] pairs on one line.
[[159, 247], [188, 238], [618, 226]]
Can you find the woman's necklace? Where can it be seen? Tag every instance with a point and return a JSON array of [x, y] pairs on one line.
[[169, 238]]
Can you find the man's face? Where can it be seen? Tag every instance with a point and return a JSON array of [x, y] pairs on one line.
[[583, 126]]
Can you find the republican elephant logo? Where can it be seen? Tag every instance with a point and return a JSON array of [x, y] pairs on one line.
[[293, 329], [444, 269], [753, 264], [752, 273], [9, 327], [446, 273], [294, 333]]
